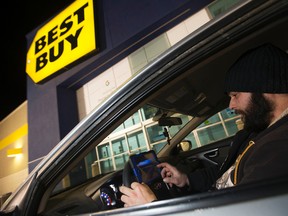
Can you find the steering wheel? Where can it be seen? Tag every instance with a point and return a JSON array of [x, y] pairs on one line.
[[160, 189], [127, 175]]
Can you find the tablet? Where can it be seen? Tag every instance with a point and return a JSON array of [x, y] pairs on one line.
[[144, 166]]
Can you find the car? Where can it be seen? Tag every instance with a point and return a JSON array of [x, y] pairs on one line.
[[174, 107]]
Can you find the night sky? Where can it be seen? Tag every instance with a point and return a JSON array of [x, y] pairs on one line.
[[19, 18]]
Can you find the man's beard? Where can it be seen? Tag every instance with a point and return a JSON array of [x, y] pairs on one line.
[[258, 114]]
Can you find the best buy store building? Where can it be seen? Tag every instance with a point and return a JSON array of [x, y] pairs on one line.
[[81, 55]]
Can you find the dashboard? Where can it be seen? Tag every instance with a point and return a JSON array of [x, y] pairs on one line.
[[109, 193], [97, 194], [101, 192]]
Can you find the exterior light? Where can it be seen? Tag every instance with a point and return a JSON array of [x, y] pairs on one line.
[[14, 152]]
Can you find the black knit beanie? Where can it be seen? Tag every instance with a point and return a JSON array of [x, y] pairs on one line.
[[263, 69]]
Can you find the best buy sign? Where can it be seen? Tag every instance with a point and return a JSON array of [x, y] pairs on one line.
[[66, 38]]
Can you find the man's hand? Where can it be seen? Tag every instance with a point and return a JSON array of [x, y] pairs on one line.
[[171, 175], [138, 194]]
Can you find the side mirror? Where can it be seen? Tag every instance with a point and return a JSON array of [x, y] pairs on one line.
[[185, 145]]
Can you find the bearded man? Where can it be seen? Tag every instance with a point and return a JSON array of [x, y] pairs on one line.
[[257, 84]]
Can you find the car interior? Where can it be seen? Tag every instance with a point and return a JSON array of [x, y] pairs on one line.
[[185, 101]]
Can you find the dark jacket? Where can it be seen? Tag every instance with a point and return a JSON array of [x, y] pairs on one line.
[[266, 158]]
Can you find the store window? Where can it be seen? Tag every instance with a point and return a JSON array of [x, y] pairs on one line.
[[106, 166], [211, 134], [155, 133], [218, 7], [221, 125], [137, 142], [148, 52], [104, 151]]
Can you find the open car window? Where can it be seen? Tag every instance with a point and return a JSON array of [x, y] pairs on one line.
[[141, 132]]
